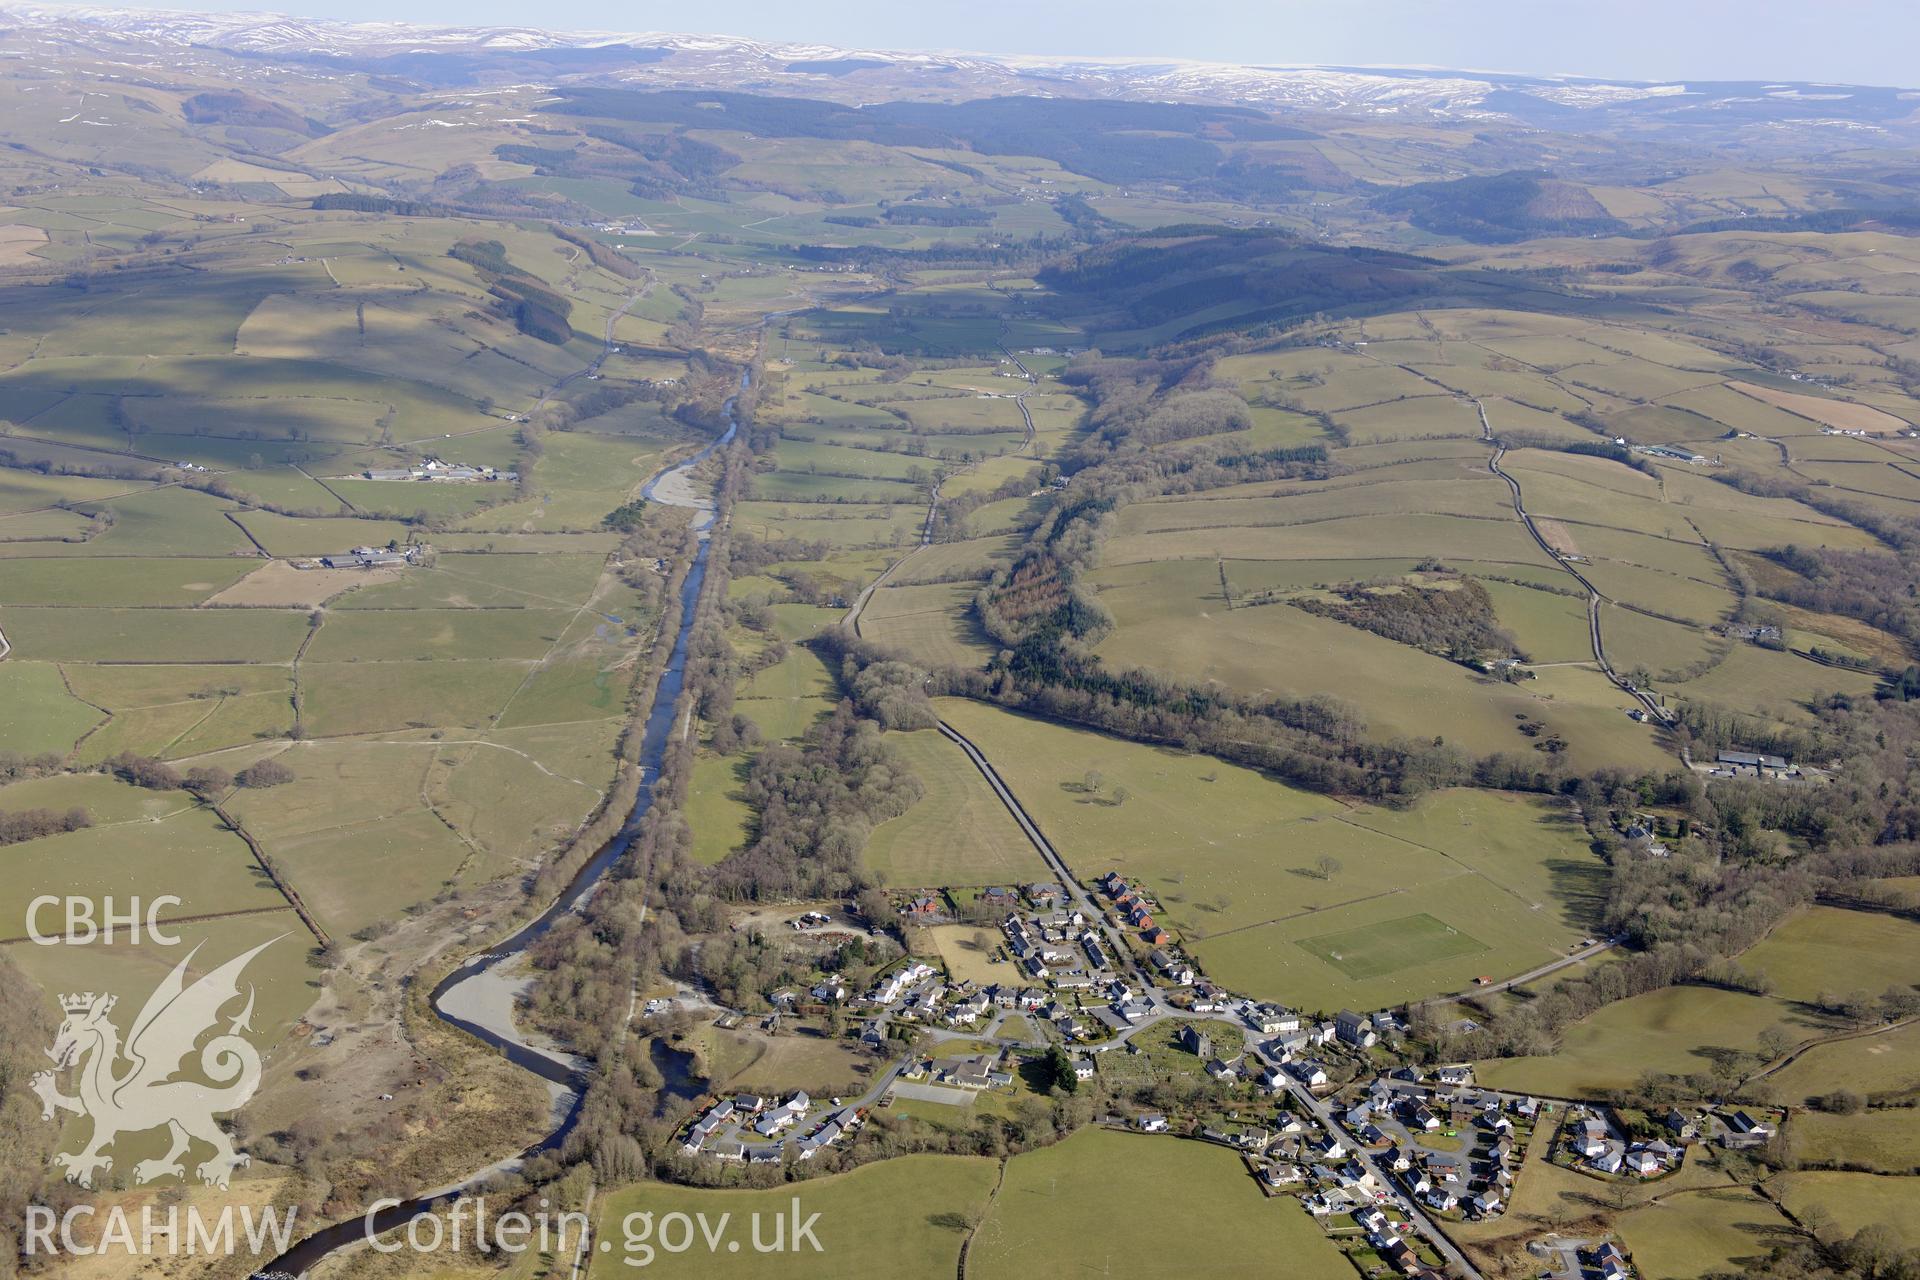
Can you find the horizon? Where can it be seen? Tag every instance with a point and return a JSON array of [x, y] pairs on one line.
[[1534, 45]]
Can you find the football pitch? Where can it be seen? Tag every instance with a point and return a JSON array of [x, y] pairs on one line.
[[1391, 945]]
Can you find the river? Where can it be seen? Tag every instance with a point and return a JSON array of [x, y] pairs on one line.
[[477, 984]]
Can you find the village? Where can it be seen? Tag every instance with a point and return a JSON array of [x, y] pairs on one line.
[[1383, 1154]]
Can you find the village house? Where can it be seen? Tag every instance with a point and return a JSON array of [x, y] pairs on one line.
[[1355, 1029], [1308, 1073]]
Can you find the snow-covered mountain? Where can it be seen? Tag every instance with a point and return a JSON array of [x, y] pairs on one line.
[[432, 56]]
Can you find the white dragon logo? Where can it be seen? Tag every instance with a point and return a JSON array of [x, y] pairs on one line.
[[146, 1096]]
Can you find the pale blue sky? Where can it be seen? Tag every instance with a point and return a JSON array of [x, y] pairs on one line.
[[1858, 41]]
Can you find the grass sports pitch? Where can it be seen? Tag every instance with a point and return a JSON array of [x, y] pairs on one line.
[[1392, 945]]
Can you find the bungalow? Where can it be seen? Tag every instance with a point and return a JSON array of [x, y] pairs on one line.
[[1283, 1175], [998, 896], [1151, 1122], [1046, 895], [922, 906], [769, 1154], [729, 1150], [774, 1121], [751, 1104], [1458, 1074]]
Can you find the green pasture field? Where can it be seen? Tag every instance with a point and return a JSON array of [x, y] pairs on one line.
[[1883, 1141], [123, 686], [1712, 1230], [1851, 1201], [1438, 487], [1450, 537], [161, 522], [842, 524], [1235, 861], [933, 624], [716, 811], [185, 853], [1670, 650], [1374, 950], [832, 459], [789, 696], [31, 491], [462, 580], [1170, 618], [1058, 1207], [571, 690], [23, 532], [1548, 626], [154, 730], [1415, 418], [1778, 686], [156, 635], [958, 834], [366, 871], [115, 581], [1699, 601], [941, 561], [924, 1201], [796, 486], [367, 697], [311, 536], [394, 635], [513, 811], [402, 499], [1883, 1064], [579, 478], [1681, 1029], [105, 798], [41, 714]]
